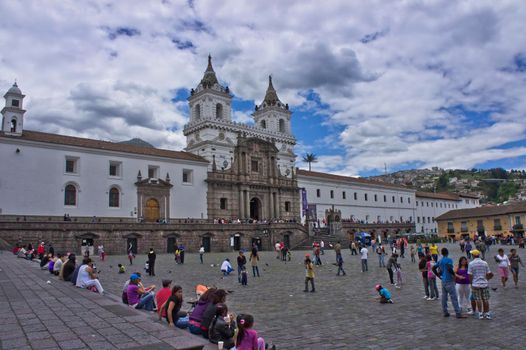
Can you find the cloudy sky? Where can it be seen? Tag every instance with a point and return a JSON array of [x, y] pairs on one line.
[[409, 84]]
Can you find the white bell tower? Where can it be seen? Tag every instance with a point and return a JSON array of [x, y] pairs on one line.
[[210, 100], [13, 113], [272, 114]]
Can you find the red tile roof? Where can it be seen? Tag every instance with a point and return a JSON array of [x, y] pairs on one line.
[[440, 195], [518, 207], [37, 136]]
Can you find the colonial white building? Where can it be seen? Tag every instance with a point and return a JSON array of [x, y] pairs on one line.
[[44, 174], [357, 199], [430, 205], [229, 170]]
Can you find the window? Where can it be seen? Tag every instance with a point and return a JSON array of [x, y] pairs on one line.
[[287, 206], [263, 124], [464, 226], [376, 198], [427, 204], [15, 103], [432, 204], [114, 197], [428, 219], [115, 169], [480, 224], [378, 219], [418, 219], [153, 171], [355, 196], [366, 219], [517, 220], [188, 176], [411, 219], [344, 195], [318, 193], [223, 204], [70, 195], [450, 228], [409, 200], [281, 125], [496, 225], [255, 166], [365, 197], [13, 125], [197, 112], [385, 198], [219, 111], [332, 193], [416, 203], [401, 219], [393, 199], [71, 165]]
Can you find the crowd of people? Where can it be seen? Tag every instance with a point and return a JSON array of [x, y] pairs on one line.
[[208, 315]]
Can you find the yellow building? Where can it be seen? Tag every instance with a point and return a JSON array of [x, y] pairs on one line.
[[502, 220]]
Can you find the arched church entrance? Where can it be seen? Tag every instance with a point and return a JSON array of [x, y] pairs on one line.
[[255, 208], [151, 210]]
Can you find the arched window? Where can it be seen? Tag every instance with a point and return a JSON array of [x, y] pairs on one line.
[[281, 125], [70, 195], [114, 197], [219, 111], [197, 111], [13, 125], [263, 124]]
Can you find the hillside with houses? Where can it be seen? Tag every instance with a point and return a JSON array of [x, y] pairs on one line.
[[491, 185]]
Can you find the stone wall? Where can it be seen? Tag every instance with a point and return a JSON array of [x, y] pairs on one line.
[[69, 236]]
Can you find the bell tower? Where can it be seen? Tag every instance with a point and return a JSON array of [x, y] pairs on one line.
[[209, 100], [13, 113], [272, 114]]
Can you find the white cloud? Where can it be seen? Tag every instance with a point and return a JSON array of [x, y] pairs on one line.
[[108, 70]]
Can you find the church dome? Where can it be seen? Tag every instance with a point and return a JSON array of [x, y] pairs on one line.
[[14, 90]]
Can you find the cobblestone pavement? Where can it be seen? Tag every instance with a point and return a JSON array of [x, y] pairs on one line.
[[343, 313]]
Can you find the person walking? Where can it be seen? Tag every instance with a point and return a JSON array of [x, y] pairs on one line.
[[462, 283], [339, 262], [101, 252], [309, 274], [431, 279], [130, 254], [201, 253], [468, 249], [479, 276], [412, 253], [151, 262], [422, 267], [322, 247], [241, 262], [391, 263], [353, 248], [503, 265], [515, 260], [434, 252], [254, 259], [447, 276], [364, 252], [338, 250], [380, 251]]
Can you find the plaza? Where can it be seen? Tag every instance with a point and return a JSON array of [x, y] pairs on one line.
[[342, 314]]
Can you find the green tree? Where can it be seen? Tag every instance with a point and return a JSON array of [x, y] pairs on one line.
[[442, 183], [310, 158], [507, 190]]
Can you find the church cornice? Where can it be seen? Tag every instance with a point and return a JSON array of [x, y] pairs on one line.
[[232, 126], [212, 91]]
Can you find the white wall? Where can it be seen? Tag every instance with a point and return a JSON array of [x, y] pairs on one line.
[[361, 209], [427, 209], [32, 181]]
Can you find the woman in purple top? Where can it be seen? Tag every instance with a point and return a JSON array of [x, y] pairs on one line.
[[462, 283], [196, 317], [138, 297]]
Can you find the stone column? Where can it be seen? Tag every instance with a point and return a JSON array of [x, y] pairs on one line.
[[247, 204], [241, 205], [271, 203], [278, 205]]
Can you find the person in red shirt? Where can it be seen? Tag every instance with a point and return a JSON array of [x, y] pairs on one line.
[[161, 297], [41, 250]]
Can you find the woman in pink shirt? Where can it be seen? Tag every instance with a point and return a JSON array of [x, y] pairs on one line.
[[247, 338]]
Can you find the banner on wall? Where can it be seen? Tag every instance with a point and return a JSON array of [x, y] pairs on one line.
[[304, 203]]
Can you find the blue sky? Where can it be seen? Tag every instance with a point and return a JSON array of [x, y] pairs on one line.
[[442, 83]]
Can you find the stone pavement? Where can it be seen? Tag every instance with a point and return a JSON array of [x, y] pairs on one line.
[[41, 312], [342, 314]]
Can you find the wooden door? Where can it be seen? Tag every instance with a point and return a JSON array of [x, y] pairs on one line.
[[151, 210]]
